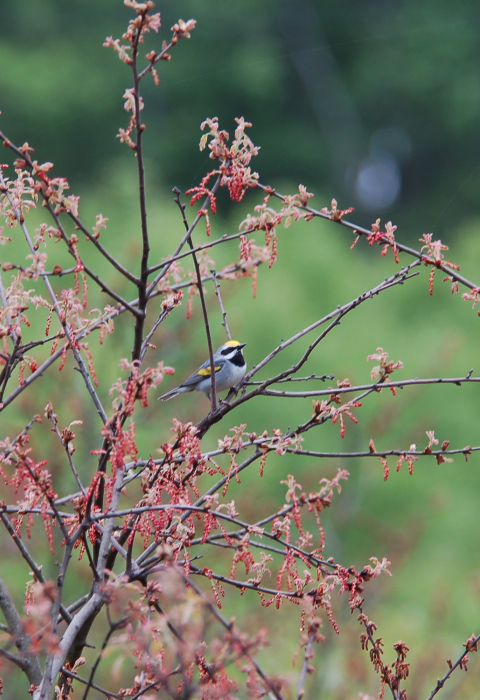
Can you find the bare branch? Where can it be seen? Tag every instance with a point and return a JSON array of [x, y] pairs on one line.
[[213, 391], [360, 231], [460, 662], [305, 665], [220, 303], [28, 661], [168, 263]]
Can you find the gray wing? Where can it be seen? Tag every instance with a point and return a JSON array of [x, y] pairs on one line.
[[195, 378]]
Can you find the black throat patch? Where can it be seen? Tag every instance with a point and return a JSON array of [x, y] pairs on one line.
[[238, 359]]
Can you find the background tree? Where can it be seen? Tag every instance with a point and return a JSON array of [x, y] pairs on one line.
[[330, 275]]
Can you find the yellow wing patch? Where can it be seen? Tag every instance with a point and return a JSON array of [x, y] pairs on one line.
[[206, 372], [232, 343]]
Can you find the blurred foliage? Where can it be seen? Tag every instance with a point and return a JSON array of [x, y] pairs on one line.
[[325, 86], [320, 81]]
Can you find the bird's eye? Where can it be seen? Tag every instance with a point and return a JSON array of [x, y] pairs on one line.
[[227, 351]]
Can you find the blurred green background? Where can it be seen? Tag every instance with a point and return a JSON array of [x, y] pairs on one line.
[[376, 104]]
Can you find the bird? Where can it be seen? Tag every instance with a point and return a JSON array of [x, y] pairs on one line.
[[230, 367]]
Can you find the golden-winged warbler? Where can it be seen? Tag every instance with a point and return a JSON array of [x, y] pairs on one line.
[[230, 368]]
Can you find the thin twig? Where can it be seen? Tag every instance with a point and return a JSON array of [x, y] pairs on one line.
[[65, 444], [143, 278], [36, 570], [459, 662], [305, 665], [70, 335], [220, 303], [199, 248], [28, 661], [168, 263], [213, 391], [166, 309], [107, 693], [458, 381], [273, 690], [79, 225], [111, 631], [359, 230], [103, 286], [8, 315]]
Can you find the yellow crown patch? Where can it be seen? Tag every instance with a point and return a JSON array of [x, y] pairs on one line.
[[232, 343]]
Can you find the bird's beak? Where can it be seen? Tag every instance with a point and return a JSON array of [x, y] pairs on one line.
[[242, 345]]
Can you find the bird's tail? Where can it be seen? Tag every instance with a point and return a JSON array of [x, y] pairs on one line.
[[169, 395]]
